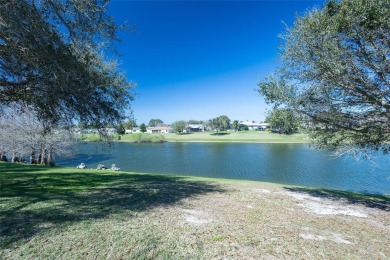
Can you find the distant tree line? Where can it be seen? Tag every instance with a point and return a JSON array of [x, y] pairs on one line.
[[283, 120]]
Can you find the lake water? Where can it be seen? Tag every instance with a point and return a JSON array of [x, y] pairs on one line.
[[294, 164]]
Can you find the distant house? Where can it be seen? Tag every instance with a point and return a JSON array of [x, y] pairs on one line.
[[195, 128], [254, 125], [89, 131], [264, 126], [110, 130], [250, 124], [134, 130], [160, 129]]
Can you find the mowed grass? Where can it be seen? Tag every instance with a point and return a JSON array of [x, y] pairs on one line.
[[133, 138], [231, 136], [63, 213]]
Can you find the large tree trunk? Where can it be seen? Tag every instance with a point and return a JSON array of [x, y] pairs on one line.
[[32, 155], [15, 158], [43, 156], [50, 157]]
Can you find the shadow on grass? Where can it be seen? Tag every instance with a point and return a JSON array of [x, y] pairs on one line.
[[32, 201], [220, 134], [369, 200]]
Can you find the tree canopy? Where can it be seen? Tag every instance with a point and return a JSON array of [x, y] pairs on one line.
[[120, 129], [179, 126], [283, 120], [155, 122], [335, 73], [235, 125], [51, 59], [220, 123], [130, 124], [142, 128]]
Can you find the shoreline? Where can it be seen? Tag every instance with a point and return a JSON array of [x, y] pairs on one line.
[[216, 141], [207, 137], [172, 175]]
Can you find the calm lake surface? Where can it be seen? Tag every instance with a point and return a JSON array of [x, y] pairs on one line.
[[294, 164]]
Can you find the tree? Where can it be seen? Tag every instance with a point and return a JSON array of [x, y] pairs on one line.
[[235, 125], [283, 120], [335, 73], [120, 129], [179, 126], [155, 122], [130, 124], [224, 123], [52, 58], [22, 134], [220, 123], [142, 128]]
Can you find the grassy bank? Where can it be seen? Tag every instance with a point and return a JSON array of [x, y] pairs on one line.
[[133, 138], [64, 213], [242, 136]]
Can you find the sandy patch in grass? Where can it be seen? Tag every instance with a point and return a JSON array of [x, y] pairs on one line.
[[322, 206], [337, 238], [262, 190], [195, 217], [309, 234]]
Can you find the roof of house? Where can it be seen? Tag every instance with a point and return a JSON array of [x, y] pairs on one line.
[[250, 123], [161, 128], [195, 126]]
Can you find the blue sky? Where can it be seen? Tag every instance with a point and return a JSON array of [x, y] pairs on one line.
[[201, 59]]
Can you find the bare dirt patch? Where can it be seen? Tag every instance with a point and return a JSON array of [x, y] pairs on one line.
[[195, 217], [321, 236], [252, 220], [322, 206]]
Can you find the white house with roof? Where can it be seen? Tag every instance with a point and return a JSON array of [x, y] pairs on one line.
[[161, 129], [252, 125], [195, 128], [264, 126], [134, 130]]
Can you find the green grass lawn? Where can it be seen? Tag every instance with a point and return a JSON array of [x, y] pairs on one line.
[[64, 213], [241, 136]]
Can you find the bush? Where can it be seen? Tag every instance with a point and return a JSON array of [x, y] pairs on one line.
[[149, 138]]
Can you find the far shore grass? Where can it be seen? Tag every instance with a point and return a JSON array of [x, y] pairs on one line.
[[66, 213], [229, 136], [239, 136]]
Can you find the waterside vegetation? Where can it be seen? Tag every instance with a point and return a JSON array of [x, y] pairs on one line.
[[231, 136], [239, 136]]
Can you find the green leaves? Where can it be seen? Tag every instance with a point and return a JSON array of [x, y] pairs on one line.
[[283, 120], [179, 126], [51, 58], [335, 73], [220, 123]]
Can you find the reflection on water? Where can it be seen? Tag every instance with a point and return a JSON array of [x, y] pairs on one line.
[[294, 164]]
